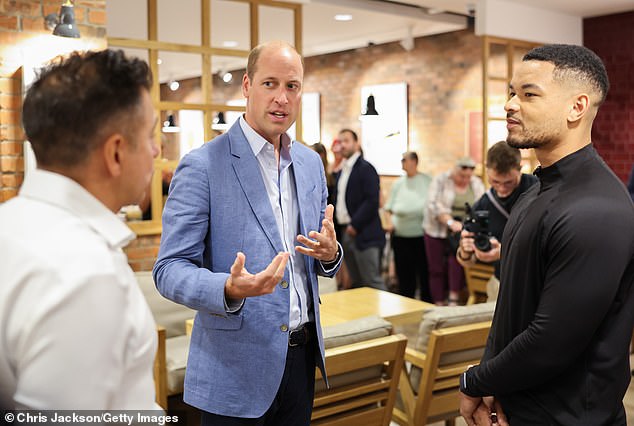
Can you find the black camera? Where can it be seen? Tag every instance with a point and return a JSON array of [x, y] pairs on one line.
[[477, 221]]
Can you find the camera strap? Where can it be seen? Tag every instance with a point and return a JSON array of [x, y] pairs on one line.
[[496, 203]]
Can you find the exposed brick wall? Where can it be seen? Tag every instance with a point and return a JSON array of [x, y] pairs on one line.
[[443, 74], [21, 24], [142, 252], [612, 38]]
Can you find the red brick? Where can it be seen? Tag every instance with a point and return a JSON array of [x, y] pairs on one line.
[[10, 148], [8, 22], [138, 253], [8, 116], [11, 133], [9, 164], [33, 24], [97, 17], [7, 193], [10, 101], [12, 180]]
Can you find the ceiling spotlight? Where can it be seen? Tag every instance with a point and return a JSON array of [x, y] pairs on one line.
[[343, 17], [174, 85], [159, 61], [230, 43], [227, 77]]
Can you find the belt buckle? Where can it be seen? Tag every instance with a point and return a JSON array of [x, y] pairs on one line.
[[290, 337]]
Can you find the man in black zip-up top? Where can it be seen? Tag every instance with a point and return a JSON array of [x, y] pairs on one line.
[[557, 353]]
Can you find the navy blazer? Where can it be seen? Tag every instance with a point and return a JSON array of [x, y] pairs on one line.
[[362, 202], [217, 206]]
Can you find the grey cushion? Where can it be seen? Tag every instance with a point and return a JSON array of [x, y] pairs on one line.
[[166, 313], [444, 317], [451, 316], [347, 333], [357, 330]]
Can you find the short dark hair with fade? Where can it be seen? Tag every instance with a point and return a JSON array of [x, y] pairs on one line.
[[503, 158], [74, 100], [578, 62]]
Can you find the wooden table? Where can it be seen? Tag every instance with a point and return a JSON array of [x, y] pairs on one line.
[[346, 305]]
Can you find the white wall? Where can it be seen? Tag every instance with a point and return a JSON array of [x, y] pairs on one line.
[[516, 21]]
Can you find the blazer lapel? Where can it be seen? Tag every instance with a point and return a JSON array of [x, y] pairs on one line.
[[248, 172]]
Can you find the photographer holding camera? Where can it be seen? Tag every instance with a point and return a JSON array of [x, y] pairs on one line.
[[484, 225]]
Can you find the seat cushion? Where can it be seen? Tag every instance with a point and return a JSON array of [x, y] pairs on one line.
[[445, 317], [176, 352], [451, 316], [349, 332], [356, 331]]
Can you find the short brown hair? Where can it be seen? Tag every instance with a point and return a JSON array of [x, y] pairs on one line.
[[503, 158], [254, 55]]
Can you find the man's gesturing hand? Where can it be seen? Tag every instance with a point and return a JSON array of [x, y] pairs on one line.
[[241, 283], [323, 245]]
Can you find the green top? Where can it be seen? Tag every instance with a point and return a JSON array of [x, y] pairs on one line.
[[458, 209], [407, 204]]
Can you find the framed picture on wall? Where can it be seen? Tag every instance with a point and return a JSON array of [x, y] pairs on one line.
[[384, 136]]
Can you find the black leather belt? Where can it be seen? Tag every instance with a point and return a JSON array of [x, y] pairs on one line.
[[299, 337]]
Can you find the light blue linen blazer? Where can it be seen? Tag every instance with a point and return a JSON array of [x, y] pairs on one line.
[[217, 206]]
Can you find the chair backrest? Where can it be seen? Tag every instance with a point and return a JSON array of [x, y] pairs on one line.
[[477, 277], [364, 399], [170, 315], [439, 385], [450, 339]]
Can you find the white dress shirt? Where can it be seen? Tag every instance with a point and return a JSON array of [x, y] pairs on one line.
[[343, 217], [282, 193], [75, 330]]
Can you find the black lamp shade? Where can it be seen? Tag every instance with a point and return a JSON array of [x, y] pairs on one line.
[[370, 108], [66, 26]]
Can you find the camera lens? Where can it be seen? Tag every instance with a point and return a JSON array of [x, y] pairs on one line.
[[482, 242]]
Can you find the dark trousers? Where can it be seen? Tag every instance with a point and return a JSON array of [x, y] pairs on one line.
[[410, 261], [445, 273], [293, 403]]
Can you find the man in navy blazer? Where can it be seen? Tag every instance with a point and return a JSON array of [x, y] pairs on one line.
[[357, 196], [237, 206]]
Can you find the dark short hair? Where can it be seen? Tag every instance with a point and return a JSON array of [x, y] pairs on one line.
[[75, 99], [254, 56], [352, 132], [411, 155], [503, 158], [574, 62]]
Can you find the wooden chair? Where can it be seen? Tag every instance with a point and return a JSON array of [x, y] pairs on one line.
[[368, 372], [450, 351], [477, 277]]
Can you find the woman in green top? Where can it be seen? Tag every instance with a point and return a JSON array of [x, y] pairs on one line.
[[406, 208]]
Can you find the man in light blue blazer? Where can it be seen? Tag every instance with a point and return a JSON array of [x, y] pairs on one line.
[[236, 211]]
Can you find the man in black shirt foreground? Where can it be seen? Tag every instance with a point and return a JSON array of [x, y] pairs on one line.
[[558, 348], [507, 184]]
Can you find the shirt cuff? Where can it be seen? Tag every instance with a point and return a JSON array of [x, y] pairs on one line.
[[233, 305], [331, 266], [466, 382]]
